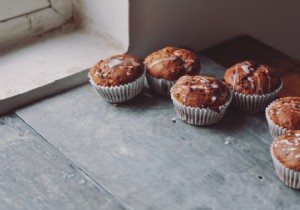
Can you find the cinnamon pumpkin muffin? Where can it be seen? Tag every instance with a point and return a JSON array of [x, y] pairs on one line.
[[283, 115], [117, 70], [251, 78], [200, 100], [254, 85], [285, 152], [165, 66], [118, 78]]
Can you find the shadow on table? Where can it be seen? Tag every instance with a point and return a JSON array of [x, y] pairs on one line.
[[147, 99], [233, 119]]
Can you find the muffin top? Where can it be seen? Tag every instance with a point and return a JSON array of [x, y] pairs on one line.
[[286, 149], [285, 112], [251, 78], [201, 92], [117, 70], [171, 63]]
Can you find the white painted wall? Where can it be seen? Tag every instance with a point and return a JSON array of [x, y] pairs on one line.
[[106, 18], [202, 23]]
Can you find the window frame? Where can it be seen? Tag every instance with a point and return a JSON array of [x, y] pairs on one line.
[[26, 25]]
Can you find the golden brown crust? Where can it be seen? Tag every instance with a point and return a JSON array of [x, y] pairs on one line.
[[286, 149], [171, 63], [201, 91], [285, 112], [251, 78], [117, 70]]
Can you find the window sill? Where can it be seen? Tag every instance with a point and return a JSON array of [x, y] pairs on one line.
[[57, 61], [48, 63]]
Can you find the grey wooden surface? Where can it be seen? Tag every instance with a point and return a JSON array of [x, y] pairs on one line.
[[34, 175], [134, 157]]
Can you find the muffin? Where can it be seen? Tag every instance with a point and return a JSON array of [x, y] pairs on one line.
[[283, 115], [200, 100], [165, 66], [254, 85], [285, 152], [118, 78]]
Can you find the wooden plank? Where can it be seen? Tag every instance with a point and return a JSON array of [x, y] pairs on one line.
[[246, 47], [150, 162], [34, 175]]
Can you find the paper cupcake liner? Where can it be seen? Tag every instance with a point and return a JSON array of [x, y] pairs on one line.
[[254, 103], [160, 86], [199, 116], [275, 130], [290, 177], [121, 93]]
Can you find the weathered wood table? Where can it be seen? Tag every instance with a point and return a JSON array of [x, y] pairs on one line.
[[75, 151]]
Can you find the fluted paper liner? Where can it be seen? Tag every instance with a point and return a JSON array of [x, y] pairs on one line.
[[254, 103], [199, 116], [290, 177], [275, 130], [119, 94], [160, 86]]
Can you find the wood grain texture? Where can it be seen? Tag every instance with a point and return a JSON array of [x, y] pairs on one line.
[[246, 47], [34, 175], [149, 162]]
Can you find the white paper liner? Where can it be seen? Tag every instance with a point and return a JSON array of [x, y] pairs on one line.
[[160, 86], [254, 103], [275, 130], [121, 93], [199, 116], [290, 177]]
